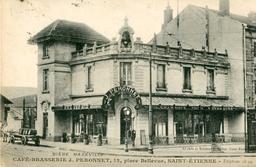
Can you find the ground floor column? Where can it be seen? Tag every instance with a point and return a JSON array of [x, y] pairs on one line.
[[113, 128], [171, 127]]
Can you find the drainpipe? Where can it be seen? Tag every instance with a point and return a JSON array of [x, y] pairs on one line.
[[244, 78]]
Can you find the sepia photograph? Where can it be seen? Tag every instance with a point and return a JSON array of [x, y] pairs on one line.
[[128, 83]]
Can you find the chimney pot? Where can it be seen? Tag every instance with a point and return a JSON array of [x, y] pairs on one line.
[[168, 15], [224, 7]]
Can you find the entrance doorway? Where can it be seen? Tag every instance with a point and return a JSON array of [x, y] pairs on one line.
[[45, 125], [125, 124]]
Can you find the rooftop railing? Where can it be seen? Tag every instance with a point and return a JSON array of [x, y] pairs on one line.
[[145, 49]]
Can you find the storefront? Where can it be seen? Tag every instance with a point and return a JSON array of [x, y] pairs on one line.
[[186, 120]]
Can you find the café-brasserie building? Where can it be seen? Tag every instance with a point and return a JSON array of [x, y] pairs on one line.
[[86, 83]]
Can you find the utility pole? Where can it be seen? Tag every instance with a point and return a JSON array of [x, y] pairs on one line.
[[150, 115]]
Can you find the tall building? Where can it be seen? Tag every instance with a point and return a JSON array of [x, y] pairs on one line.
[[90, 85], [197, 27]]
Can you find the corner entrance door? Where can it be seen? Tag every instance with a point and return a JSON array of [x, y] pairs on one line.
[[125, 123], [45, 125]]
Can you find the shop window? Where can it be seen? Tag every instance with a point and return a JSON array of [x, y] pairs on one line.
[[125, 73], [196, 123], [96, 124], [161, 77], [78, 124], [45, 80], [45, 51], [210, 81], [187, 79], [89, 76], [160, 123]]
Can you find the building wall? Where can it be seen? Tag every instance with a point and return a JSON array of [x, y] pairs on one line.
[[224, 34], [105, 79], [59, 82], [13, 124], [102, 77], [235, 123], [250, 68]]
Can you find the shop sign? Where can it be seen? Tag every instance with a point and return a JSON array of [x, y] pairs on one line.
[[112, 93]]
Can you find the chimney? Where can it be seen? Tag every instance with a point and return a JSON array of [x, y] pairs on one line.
[[224, 7], [167, 15]]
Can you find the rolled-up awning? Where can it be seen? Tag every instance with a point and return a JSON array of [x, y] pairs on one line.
[[192, 103]]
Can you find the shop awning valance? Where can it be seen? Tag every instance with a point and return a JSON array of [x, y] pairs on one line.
[[80, 103], [190, 103]]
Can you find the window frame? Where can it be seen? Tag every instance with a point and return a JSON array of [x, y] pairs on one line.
[[185, 88], [128, 81], [45, 81], [163, 85], [89, 82], [45, 51], [210, 89]]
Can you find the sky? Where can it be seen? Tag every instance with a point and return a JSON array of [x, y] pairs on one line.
[[21, 19]]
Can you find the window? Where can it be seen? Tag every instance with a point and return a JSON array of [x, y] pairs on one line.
[[161, 76], [160, 123], [79, 46], [210, 80], [125, 73], [89, 84], [45, 51], [45, 80], [254, 46], [187, 78]]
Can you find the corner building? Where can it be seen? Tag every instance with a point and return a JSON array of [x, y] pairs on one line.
[[86, 82]]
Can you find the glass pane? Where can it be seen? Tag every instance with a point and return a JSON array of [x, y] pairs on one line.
[[187, 78], [160, 76]]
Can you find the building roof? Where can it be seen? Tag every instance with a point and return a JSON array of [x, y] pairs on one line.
[[240, 18], [69, 31], [5, 100], [30, 101], [16, 114]]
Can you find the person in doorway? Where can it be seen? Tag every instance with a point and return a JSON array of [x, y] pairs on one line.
[[133, 136]]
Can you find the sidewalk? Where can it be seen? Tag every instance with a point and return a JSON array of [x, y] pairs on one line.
[[192, 150]]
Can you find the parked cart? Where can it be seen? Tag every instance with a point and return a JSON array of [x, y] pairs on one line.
[[25, 136]]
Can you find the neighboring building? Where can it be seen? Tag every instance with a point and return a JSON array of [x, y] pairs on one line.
[[22, 113], [197, 27], [5, 107], [25, 107], [89, 89]]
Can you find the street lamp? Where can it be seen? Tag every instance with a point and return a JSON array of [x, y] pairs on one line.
[[127, 112]]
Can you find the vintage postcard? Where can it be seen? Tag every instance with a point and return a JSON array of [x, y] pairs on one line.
[[128, 83]]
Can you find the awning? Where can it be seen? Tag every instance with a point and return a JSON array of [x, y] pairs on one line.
[[192, 103], [80, 103]]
